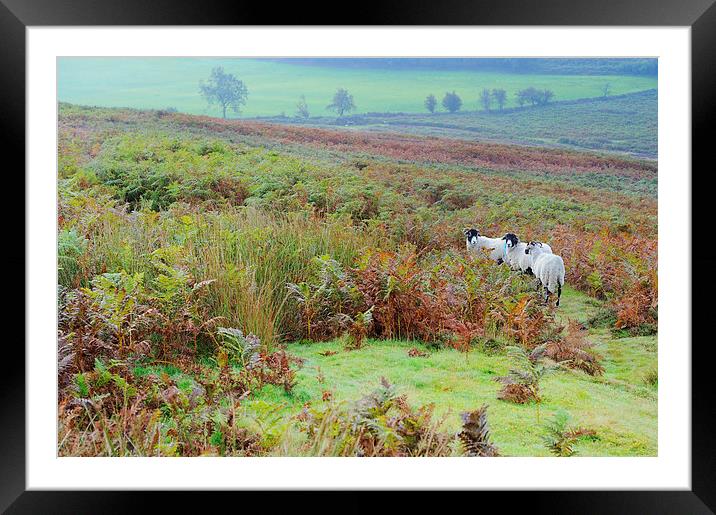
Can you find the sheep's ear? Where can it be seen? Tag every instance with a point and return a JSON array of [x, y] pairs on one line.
[[465, 231], [504, 237]]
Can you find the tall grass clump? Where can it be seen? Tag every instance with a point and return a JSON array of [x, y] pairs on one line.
[[253, 254]]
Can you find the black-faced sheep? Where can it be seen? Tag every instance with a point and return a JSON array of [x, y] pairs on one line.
[[515, 255], [517, 258], [543, 246], [494, 248], [548, 268]]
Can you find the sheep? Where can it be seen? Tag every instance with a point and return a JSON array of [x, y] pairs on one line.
[[548, 268], [517, 258], [477, 244], [515, 255], [545, 248]]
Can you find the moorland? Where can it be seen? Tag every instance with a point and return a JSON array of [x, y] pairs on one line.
[[255, 288]]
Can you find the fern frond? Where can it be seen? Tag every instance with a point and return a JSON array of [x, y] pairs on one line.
[[475, 434]]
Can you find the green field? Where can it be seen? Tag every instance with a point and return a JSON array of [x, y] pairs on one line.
[[275, 87], [625, 123], [620, 406]]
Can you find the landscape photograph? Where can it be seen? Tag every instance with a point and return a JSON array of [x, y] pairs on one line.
[[357, 257]]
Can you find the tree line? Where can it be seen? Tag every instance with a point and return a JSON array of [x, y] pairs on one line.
[[228, 92], [491, 97]]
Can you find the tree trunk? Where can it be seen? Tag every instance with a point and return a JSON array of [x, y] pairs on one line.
[[224, 107]]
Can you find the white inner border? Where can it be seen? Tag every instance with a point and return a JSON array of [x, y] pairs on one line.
[[670, 470]]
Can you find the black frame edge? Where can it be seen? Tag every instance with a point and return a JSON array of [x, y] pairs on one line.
[[699, 14], [12, 143], [372, 12], [703, 110]]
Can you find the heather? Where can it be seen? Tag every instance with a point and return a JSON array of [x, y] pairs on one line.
[[203, 265]]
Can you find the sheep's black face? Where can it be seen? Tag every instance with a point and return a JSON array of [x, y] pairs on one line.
[[471, 236], [511, 239], [532, 245]]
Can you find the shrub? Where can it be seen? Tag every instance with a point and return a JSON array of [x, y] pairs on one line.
[[359, 327], [398, 291], [71, 249], [120, 314], [521, 384], [114, 412], [651, 377], [238, 348], [636, 309], [380, 424], [575, 351], [271, 368], [327, 300], [414, 352], [560, 439]]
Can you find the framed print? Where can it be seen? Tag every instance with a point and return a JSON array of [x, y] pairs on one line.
[[447, 248]]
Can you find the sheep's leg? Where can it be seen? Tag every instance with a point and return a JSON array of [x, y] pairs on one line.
[[559, 293], [546, 295]]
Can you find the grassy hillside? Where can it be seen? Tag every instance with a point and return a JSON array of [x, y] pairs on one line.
[[623, 123], [275, 87], [204, 266], [620, 406], [328, 146]]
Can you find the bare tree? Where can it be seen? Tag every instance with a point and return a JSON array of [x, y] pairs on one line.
[[452, 102], [534, 96], [431, 103], [302, 108], [546, 96], [606, 90], [486, 99], [224, 90], [342, 102], [500, 97]]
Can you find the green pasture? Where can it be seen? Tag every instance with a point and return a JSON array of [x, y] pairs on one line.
[[275, 87], [621, 405], [624, 123]]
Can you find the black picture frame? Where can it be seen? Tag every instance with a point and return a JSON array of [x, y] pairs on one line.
[[700, 15]]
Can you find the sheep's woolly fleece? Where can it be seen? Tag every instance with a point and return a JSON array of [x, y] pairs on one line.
[[493, 248], [549, 269]]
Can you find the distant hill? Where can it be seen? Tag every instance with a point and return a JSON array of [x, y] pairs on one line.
[[624, 123], [556, 66]]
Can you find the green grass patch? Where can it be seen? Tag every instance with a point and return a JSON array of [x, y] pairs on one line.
[[620, 406]]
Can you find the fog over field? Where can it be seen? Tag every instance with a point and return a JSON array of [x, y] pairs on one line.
[[275, 86]]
